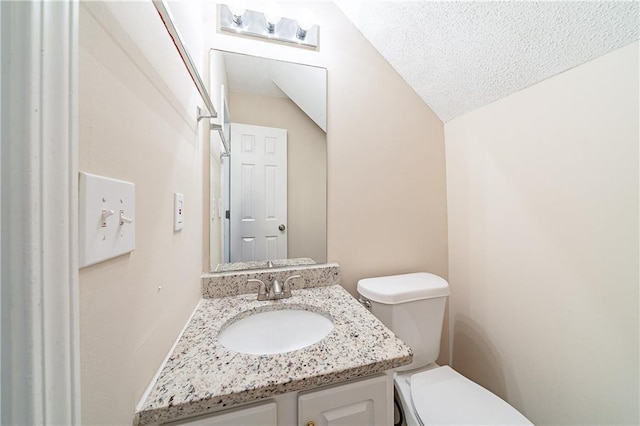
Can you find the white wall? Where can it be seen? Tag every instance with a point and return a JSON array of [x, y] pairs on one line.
[[137, 123], [543, 244], [306, 86]]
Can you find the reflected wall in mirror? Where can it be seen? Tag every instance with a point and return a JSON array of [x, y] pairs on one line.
[[272, 188]]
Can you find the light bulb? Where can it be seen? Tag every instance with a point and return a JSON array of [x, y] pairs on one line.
[[305, 20], [272, 15], [237, 9], [304, 24]]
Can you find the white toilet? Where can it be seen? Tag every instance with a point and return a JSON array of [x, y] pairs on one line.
[[412, 306]]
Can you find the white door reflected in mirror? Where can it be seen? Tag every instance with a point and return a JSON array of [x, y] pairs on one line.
[[258, 193]]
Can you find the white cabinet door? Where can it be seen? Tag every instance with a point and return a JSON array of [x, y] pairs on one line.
[[256, 415], [365, 402]]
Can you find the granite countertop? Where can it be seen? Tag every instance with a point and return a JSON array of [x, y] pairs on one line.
[[278, 263], [202, 375]]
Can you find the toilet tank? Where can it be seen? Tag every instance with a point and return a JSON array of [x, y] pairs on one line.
[[412, 306]]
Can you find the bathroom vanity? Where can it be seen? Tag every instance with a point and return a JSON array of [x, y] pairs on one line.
[[344, 375]]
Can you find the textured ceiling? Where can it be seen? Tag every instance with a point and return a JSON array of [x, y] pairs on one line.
[[459, 56]]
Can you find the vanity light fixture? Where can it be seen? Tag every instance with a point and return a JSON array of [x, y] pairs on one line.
[[234, 18]]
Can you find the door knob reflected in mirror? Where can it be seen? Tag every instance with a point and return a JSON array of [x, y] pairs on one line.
[[282, 227]]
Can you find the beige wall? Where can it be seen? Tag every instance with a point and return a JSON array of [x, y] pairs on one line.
[[137, 123], [386, 182], [306, 174], [386, 191], [543, 244]]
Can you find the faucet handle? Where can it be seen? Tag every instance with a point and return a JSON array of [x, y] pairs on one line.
[[286, 292], [262, 290]]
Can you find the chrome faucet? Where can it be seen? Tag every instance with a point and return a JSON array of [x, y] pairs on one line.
[[275, 290]]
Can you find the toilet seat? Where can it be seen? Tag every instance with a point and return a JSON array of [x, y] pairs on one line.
[[443, 396]]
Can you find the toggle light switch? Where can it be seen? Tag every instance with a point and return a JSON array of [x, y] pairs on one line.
[[105, 215], [124, 219]]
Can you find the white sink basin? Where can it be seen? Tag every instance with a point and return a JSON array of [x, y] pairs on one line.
[[273, 332]]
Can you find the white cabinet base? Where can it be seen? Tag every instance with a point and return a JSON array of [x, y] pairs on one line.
[[264, 414], [367, 401]]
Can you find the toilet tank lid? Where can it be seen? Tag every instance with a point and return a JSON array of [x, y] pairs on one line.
[[403, 288]]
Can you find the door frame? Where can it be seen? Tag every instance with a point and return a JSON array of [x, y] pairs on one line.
[[40, 376]]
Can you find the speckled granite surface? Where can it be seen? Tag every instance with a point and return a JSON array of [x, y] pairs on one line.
[[234, 283], [201, 374], [279, 263]]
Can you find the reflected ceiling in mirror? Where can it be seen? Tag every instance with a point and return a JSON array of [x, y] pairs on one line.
[[273, 186]]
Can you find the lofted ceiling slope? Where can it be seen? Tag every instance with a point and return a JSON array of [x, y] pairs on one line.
[[461, 55]]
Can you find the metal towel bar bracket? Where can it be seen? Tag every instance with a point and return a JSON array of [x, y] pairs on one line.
[[169, 24]]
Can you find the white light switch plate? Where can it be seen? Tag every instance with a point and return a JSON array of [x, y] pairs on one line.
[[107, 225], [178, 211]]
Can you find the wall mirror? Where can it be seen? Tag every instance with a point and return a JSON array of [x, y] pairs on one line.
[[271, 190]]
